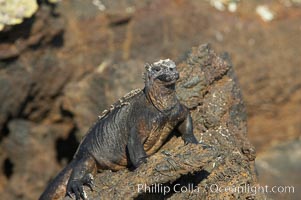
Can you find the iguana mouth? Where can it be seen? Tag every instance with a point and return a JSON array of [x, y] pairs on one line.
[[168, 79], [172, 82]]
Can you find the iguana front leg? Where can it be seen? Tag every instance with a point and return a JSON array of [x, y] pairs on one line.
[[186, 130], [137, 154], [81, 175]]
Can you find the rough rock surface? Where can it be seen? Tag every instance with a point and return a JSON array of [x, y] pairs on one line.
[[209, 88]]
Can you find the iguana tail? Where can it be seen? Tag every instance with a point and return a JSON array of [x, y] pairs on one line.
[[57, 188]]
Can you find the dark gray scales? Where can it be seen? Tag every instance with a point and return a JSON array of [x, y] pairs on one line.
[[134, 128]]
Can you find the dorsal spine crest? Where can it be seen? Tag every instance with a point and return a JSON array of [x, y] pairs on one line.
[[121, 102]]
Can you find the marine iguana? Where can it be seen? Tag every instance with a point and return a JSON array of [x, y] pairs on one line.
[[133, 128]]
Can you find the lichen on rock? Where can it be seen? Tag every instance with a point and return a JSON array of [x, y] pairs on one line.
[[14, 11]]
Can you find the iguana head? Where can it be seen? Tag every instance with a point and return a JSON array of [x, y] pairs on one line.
[[162, 72], [160, 81]]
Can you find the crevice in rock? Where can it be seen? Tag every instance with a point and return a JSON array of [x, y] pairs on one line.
[[6, 62], [120, 22], [8, 168], [17, 32], [4, 129], [185, 183], [66, 147], [66, 113], [29, 98], [58, 40], [219, 77]]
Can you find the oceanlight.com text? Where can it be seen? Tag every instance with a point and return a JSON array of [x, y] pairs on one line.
[[215, 188]]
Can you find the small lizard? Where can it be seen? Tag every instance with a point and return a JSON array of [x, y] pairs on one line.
[[134, 128]]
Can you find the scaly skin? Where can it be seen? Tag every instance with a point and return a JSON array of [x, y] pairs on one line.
[[134, 128]]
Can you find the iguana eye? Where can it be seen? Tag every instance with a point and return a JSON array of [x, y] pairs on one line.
[[157, 69]]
